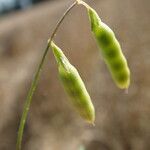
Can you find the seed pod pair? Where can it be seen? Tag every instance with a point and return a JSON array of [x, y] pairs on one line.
[[111, 50], [74, 85]]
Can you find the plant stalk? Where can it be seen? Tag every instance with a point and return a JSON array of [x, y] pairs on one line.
[[36, 79]]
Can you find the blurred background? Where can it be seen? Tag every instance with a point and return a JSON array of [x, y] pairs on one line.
[[122, 120], [7, 6]]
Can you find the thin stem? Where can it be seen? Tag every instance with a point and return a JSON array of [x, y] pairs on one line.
[[36, 79], [83, 3], [61, 19], [78, 1]]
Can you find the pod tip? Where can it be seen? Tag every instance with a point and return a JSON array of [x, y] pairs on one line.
[[93, 124]]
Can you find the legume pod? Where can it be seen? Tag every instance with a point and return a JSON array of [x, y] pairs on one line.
[[111, 50], [74, 86]]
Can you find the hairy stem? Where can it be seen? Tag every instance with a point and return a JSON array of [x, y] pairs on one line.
[[35, 81]]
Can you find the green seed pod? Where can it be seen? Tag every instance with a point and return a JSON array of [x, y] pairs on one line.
[[111, 50], [74, 86]]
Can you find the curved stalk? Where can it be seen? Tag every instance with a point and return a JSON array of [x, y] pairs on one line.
[[35, 81]]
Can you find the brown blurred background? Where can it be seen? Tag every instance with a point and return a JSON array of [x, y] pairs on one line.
[[122, 120]]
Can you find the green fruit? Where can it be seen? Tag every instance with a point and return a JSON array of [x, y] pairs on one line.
[[111, 50], [74, 86]]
